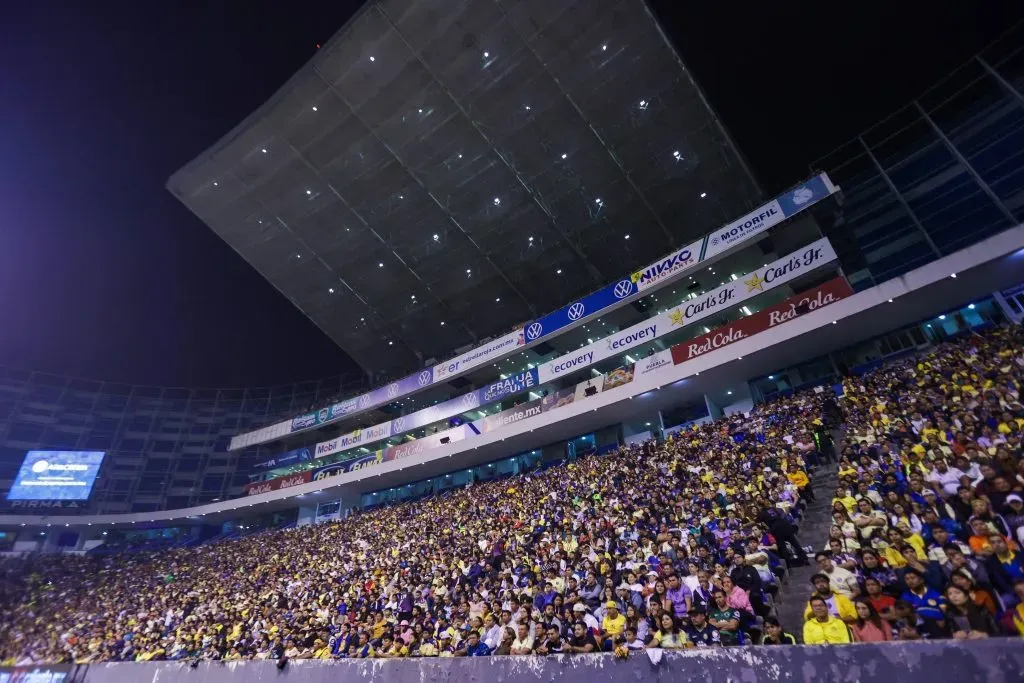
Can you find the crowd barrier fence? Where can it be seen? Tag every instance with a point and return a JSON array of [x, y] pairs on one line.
[[998, 660]]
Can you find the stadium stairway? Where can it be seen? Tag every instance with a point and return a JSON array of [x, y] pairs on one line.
[[813, 533]]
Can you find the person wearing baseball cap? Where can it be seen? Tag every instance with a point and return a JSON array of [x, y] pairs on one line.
[[613, 624]]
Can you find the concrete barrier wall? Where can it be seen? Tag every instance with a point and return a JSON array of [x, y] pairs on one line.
[[992, 661]]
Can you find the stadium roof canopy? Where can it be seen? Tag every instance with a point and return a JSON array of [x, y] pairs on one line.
[[443, 170]]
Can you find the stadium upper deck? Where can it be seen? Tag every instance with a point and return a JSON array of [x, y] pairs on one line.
[[471, 164]]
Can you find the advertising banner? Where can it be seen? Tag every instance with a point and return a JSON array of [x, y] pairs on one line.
[[676, 262], [618, 377], [412, 448], [588, 306], [793, 307], [514, 384], [653, 363], [717, 300], [56, 475], [479, 356], [291, 480], [288, 458], [353, 439], [305, 421], [353, 465], [562, 397], [508, 417], [768, 216]]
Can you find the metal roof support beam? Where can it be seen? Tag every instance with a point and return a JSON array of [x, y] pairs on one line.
[[595, 274]]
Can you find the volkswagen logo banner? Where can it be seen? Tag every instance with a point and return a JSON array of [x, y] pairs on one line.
[[424, 378], [534, 330], [623, 289], [576, 311]]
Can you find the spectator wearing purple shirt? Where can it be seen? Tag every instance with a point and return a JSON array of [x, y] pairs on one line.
[[680, 596]]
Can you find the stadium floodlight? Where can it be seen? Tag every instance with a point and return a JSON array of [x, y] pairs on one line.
[[703, 195]]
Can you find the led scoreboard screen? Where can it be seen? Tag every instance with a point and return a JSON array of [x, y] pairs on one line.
[[56, 475]]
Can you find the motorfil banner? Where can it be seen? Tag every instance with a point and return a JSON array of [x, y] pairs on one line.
[[793, 307]]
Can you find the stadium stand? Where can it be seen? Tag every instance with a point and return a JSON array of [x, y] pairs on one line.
[[679, 544]]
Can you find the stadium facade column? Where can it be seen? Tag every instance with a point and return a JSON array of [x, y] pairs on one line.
[[713, 408], [1008, 310]]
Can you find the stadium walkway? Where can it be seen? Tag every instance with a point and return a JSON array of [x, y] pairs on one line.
[[813, 533]]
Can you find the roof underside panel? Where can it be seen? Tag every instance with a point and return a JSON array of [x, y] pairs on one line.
[[467, 163]]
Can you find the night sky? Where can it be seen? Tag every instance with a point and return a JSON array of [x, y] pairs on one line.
[[103, 274]]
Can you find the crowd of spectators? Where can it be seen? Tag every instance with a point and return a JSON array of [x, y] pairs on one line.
[[928, 517], [682, 543]]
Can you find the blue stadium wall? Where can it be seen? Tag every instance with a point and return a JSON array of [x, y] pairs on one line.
[[999, 660]]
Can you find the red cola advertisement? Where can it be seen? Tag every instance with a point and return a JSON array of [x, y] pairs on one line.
[[793, 307], [279, 483]]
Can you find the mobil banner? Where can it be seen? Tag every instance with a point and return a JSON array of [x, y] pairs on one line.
[[353, 439], [793, 307], [291, 480], [730, 294]]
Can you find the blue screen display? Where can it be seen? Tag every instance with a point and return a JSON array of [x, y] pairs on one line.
[[56, 475]]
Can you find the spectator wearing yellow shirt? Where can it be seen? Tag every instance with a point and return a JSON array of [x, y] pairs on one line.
[[823, 628], [613, 624], [843, 496]]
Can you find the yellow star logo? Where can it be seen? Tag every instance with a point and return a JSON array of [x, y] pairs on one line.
[[755, 282], [676, 317]]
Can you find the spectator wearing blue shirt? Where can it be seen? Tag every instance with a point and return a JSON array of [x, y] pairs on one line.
[[928, 603], [474, 647]]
